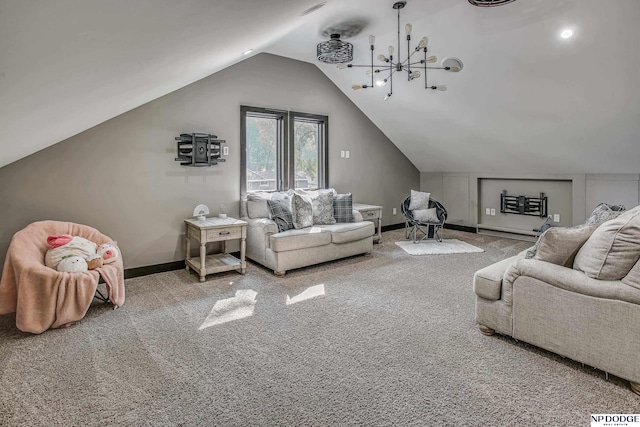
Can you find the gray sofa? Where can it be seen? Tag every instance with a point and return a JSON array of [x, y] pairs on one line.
[[286, 250], [579, 296]]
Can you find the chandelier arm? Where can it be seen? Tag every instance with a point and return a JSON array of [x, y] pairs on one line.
[[372, 66], [399, 56], [425, 68], [408, 57]]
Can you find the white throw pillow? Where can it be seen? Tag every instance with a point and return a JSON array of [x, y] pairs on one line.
[[426, 215], [419, 200]]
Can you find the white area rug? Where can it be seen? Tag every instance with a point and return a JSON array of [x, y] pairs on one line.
[[431, 247]]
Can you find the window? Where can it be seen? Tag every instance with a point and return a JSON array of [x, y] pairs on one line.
[[282, 150]]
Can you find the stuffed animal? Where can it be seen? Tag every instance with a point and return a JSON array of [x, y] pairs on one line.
[[94, 261], [62, 246], [109, 252], [72, 264]]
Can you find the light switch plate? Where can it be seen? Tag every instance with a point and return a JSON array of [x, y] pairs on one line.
[[347, 154], [487, 211], [225, 151], [556, 217], [493, 212], [395, 211], [342, 153]]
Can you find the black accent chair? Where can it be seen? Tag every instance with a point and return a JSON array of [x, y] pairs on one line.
[[431, 230]]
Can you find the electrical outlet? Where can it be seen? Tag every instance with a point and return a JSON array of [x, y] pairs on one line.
[[342, 153], [225, 151], [493, 212], [487, 211], [347, 154], [395, 211], [556, 217]]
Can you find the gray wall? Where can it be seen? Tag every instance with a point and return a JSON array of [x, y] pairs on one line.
[[121, 177], [573, 196]]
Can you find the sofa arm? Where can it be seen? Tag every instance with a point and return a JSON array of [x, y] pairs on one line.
[[268, 226], [567, 279]]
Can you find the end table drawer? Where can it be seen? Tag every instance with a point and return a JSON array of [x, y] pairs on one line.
[[370, 214], [226, 233]]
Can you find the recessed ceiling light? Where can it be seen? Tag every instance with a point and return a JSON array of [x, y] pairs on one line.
[[565, 34], [313, 8], [247, 52]]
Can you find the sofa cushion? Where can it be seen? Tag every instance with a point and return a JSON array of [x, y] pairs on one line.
[[487, 282], [633, 278], [301, 211], [291, 240], [343, 207], [257, 208], [613, 248], [559, 245], [350, 232]]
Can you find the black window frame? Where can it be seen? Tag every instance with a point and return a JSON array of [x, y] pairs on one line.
[[285, 146]]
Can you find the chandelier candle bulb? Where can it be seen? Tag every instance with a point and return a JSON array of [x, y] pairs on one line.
[[408, 28], [432, 59], [382, 58], [356, 87], [372, 39], [390, 50]]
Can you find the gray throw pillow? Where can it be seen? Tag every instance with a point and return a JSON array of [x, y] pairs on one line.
[[419, 200], [426, 215], [302, 211], [280, 210], [559, 245], [322, 206], [343, 208], [603, 213]]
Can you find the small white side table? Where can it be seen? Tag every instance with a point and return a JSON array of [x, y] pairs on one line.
[[371, 213], [215, 230]]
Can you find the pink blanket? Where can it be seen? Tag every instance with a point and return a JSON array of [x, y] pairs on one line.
[[44, 298]]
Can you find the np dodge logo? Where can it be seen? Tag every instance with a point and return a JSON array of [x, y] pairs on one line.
[[615, 420]]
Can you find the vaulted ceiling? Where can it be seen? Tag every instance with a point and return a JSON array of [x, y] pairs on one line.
[[526, 101]]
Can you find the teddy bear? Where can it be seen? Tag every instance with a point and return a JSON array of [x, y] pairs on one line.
[[72, 264], [65, 245], [109, 252]]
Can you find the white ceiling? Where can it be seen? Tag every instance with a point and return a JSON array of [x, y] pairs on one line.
[[526, 101]]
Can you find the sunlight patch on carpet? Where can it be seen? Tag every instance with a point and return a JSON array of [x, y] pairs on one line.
[[226, 310], [431, 247], [312, 292]]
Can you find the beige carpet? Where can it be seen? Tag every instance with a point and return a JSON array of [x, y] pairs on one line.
[[384, 339]]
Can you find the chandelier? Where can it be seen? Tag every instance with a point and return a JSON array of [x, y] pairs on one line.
[[414, 66]]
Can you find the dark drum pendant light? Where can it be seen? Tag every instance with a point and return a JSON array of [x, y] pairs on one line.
[[490, 3], [335, 51]]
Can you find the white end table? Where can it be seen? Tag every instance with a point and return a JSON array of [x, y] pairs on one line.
[[215, 230], [371, 213]]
